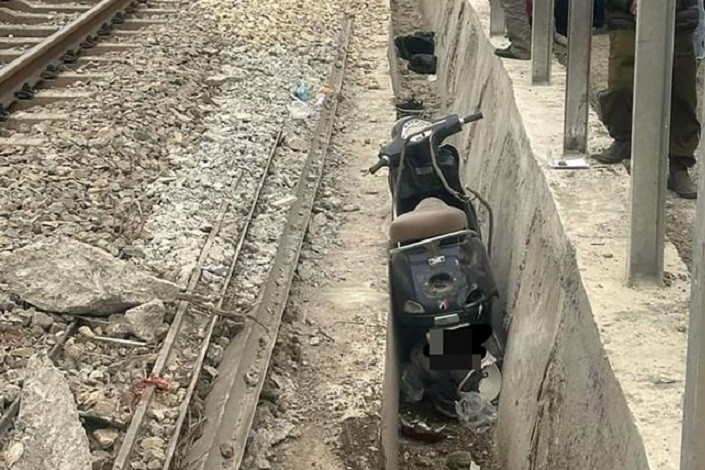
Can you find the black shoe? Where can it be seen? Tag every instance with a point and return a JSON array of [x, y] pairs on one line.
[[424, 64], [509, 53], [617, 152], [444, 406], [443, 396], [680, 182], [411, 106]]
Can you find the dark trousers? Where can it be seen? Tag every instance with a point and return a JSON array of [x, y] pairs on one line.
[[616, 102], [560, 12]]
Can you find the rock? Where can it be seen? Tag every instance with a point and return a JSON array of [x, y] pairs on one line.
[[86, 331], [268, 432], [42, 320], [67, 276], [106, 437], [297, 144], [155, 454], [263, 464], [118, 327], [154, 465], [130, 251], [103, 408], [351, 208], [218, 80], [152, 443], [215, 354], [315, 341], [52, 434], [22, 352], [305, 272], [102, 460], [459, 460], [6, 304], [13, 453], [95, 377], [144, 320]]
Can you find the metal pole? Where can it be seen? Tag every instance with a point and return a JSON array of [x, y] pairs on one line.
[[542, 42], [692, 449], [650, 139], [577, 87], [497, 26]]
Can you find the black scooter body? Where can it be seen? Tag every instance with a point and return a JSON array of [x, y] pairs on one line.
[[451, 280]]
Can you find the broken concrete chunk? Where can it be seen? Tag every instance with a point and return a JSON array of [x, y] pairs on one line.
[[144, 320], [52, 435], [67, 276]]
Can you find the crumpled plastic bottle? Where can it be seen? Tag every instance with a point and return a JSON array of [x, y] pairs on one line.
[[412, 387], [475, 412], [301, 92]]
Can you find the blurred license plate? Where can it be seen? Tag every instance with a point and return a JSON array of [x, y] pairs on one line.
[[451, 349]]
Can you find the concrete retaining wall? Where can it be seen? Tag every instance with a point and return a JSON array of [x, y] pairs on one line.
[[582, 387]]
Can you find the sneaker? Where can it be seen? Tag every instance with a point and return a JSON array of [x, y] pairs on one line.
[[560, 39], [617, 152], [509, 53], [680, 182]]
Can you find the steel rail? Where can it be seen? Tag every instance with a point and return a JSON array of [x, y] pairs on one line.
[[195, 374], [26, 70], [121, 461]]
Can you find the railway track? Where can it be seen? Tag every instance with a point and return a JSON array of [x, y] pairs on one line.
[[188, 400], [40, 41]]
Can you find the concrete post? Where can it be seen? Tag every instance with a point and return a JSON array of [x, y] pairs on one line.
[[497, 26], [692, 449], [542, 42], [577, 88], [650, 136]]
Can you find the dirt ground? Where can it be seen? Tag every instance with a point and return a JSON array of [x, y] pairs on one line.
[[680, 213]]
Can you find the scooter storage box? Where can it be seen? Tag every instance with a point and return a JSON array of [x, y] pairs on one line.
[[451, 277]]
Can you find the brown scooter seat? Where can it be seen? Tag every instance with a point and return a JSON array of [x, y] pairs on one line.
[[431, 218]]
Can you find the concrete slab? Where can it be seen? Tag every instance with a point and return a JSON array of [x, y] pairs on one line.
[[594, 370]]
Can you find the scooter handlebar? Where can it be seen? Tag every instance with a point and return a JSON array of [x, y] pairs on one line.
[[471, 118], [381, 163]]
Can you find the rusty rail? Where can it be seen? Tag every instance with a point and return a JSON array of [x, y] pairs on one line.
[[26, 70]]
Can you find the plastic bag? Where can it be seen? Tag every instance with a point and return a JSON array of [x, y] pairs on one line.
[[299, 110], [475, 412], [412, 386]]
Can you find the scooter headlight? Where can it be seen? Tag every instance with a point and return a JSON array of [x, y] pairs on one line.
[[413, 308]]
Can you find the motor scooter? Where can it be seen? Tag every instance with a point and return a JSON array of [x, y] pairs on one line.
[[446, 322]]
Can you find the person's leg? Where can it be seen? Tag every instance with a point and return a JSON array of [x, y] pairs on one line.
[[616, 101], [598, 16], [560, 13], [518, 30], [699, 36], [685, 127]]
